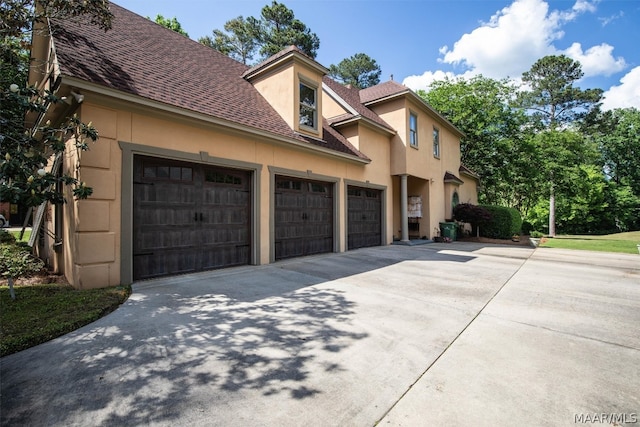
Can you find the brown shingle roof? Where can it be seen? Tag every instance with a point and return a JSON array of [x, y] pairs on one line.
[[352, 97], [382, 90], [450, 177], [140, 57]]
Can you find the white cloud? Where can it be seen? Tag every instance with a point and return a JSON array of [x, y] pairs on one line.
[[515, 38], [597, 60], [423, 81], [609, 19], [627, 94]]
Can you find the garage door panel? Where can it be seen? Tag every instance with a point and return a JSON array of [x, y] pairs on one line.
[[189, 217], [303, 217], [164, 262], [364, 217]]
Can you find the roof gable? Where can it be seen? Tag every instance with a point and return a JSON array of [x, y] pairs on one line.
[[142, 58], [352, 97]]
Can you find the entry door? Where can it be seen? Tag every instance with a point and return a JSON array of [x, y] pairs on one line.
[[188, 217], [303, 217], [364, 217]]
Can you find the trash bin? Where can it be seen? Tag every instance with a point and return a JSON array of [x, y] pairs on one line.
[[448, 229]]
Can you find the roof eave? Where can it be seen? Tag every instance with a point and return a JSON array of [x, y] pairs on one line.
[[365, 121], [417, 98], [212, 120], [268, 65]]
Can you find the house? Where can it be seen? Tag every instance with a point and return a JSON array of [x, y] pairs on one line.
[[203, 162]]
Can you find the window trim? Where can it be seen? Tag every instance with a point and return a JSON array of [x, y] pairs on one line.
[[436, 142], [314, 88], [413, 133]]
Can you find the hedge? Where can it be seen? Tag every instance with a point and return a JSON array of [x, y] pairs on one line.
[[505, 222]]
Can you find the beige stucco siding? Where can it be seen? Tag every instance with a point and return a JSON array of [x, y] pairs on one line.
[[94, 229]]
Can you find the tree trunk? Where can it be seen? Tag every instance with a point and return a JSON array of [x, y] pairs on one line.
[[552, 213], [11, 291]]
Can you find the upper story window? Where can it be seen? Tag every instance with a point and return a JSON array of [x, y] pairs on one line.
[[436, 142], [413, 130], [308, 106]]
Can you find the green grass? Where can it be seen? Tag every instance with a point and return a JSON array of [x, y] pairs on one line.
[[43, 312], [25, 237], [620, 242]]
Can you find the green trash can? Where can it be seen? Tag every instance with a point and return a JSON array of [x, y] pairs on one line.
[[448, 229]]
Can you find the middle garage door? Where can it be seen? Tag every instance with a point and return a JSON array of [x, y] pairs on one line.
[[303, 217]]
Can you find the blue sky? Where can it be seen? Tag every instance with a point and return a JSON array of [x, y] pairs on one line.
[[419, 41]]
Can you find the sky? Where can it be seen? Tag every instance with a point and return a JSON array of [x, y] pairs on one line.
[[417, 41]]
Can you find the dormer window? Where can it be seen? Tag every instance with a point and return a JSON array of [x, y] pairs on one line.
[[308, 106]]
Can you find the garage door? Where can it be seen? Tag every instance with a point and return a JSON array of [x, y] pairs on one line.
[[189, 217], [303, 217], [364, 227]]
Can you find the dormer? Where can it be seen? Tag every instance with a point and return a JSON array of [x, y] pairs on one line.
[[292, 83]]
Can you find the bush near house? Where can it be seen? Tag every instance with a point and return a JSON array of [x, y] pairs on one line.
[[504, 223], [471, 214]]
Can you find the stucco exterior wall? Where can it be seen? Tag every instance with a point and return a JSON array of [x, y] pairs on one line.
[[93, 227]]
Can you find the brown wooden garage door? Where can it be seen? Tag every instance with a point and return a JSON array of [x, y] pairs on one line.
[[303, 217], [189, 217], [364, 227]]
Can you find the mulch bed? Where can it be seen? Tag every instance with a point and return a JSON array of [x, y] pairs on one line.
[[524, 241]]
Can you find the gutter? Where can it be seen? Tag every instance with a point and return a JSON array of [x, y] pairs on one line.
[[244, 129]]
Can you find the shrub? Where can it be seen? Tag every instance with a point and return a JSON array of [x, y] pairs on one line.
[[16, 262], [505, 223], [6, 237], [472, 214]]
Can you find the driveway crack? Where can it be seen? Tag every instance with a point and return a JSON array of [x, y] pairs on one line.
[[524, 261]]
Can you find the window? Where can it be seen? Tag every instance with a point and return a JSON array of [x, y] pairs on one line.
[[436, 142], [308, 108], [413, 130], [173, 173]]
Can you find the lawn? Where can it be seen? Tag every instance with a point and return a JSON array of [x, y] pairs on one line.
[[42, 312], [620, 242], [25, 236]]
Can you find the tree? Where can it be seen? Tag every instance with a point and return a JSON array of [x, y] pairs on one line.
[[276, 29], [620, 147], [360, 71], [550, 93], [171, 24], [496, 144], [238, 40], [555, 103], [279, 29], [16, 261], [25, 150]]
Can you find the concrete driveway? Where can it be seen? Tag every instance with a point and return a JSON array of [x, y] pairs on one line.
[[432, 335]]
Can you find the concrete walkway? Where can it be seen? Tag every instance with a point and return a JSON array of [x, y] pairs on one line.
[[432, 335]]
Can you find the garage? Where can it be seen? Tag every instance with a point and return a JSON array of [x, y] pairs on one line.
[[303, 217], [364, 225], [189, 217]]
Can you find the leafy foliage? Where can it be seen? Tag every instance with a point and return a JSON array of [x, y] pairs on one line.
[[25, 152], [238, 40], [360, 71], [472, 214], [171, 24], [505, 222], [496, 143], [276, 29], [16, 261], [552, 96], [619, 140]]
